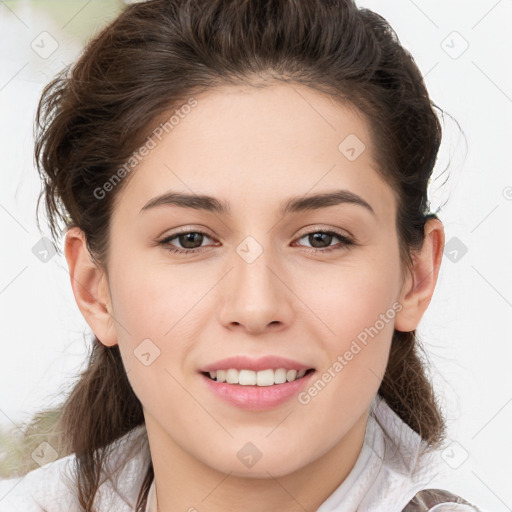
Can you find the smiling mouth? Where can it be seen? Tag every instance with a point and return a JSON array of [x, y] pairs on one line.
[[257, 379]]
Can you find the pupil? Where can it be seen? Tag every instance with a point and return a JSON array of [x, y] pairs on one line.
[[187, 240], [317, 237]]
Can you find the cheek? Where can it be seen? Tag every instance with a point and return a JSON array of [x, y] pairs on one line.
[[153, 338], [352, 297], [159, 315], [357, 306], [145, 311], [149, 300]]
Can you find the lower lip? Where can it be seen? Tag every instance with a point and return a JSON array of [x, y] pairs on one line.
[[257, 397]]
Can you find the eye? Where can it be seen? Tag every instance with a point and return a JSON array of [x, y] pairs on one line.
[[191, 242], [320, 240]]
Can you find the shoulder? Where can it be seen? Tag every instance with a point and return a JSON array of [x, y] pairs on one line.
[[406, 468], [44, 487], [52, 487], [439, 500]]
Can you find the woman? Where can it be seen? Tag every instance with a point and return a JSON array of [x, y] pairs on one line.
[[243, 187]]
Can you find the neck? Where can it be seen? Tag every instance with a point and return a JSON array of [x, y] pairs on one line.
[[184, 483]]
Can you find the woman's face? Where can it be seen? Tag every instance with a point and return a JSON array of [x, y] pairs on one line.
[[261, 281]]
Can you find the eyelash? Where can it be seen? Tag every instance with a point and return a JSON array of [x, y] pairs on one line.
[[346, 242]]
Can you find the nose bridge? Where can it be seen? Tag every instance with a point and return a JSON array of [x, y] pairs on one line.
[[253, 261], [255, 296]]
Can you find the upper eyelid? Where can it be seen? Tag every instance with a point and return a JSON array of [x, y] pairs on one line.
[[308, 230], [315, 229]]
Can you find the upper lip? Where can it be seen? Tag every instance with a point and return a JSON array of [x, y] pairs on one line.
[[249, 363]]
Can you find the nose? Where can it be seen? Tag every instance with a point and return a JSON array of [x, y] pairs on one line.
[[256, 295]]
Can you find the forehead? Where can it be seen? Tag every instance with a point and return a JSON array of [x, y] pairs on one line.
[[269, 142]]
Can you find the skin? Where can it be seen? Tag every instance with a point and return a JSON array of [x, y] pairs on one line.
[[254, 148]]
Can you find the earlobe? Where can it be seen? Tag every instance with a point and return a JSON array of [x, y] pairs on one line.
[[90, 287], [419, 285]]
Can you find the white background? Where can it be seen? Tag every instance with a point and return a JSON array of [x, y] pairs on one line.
[[468, 328]]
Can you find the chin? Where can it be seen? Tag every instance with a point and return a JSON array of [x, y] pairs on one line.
[[265, 467]]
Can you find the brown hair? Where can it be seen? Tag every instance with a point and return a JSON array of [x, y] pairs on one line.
[[155, 56]]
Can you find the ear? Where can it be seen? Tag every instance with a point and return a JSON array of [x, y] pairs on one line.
[[420, 283], [90, 287]]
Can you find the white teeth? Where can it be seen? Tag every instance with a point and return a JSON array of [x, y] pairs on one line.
[[231, 376], [290, 375], [265, 378], [260, 378], [280, 376], [247, 378]]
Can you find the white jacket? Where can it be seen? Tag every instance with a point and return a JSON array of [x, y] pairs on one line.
[[391, 468]]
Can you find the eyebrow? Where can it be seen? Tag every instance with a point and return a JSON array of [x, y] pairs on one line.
[[292, 205]]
